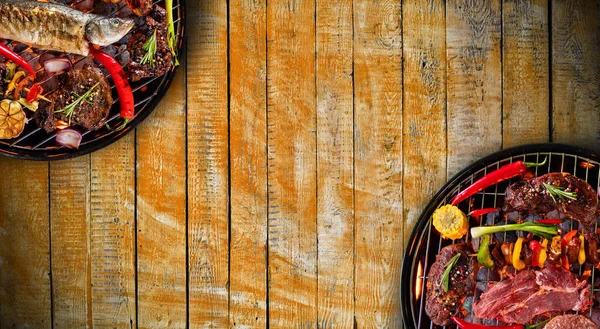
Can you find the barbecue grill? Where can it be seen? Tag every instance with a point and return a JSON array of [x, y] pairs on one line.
[[35, 144], [425, 243]]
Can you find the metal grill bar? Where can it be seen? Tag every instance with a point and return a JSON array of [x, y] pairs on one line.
[[483, 199]]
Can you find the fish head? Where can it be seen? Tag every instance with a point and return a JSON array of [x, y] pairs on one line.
[[104, 31]]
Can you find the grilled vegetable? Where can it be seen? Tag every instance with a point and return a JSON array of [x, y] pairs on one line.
[[11, 55], [581, 256], [12, 119], [481, 212], [496, 176], [53, 26], [564, 249], [549, 221], [507, 250], [517, 263], [555, 251], [536, 248], [546, 231], [450, 221], [483, 255]]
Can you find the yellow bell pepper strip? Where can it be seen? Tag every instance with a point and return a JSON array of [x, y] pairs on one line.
[[543, 253], [536, 248], [517, 263], [483, 255], [581, 257]]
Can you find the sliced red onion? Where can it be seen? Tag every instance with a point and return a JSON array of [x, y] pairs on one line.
[[58, 64], [69, 138]]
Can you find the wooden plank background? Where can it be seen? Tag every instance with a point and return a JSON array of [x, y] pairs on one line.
[[277, 182]]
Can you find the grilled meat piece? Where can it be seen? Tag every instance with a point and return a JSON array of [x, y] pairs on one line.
[[530, 293], [140, 7], [89, 115], [591, 248], [531, 196], [571, 321], [156, 21], [54, 26], [44, 116], [440, 305]]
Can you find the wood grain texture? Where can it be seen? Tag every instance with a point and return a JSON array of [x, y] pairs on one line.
[[378, 162], [291, 147], [424, 115], [576, 73], [112, 199], [24, 245], [208, 168], [71, 238], [161, 212], [473, 31], [525, 61], [335, 170], [248, 136]]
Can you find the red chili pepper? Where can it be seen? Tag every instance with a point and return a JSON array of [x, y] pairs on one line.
[[468, 325], [496, 176], [549, 221], [535, 247], [33, 93], [483, 211], [11, 55], [121, 83]]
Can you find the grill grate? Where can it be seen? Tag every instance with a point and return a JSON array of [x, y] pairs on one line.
[[34, 143], [421, 251]]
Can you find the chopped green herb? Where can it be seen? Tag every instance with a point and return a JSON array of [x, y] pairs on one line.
[[556, 191], [445, 281], [171, 30], [70, 108], [150, 48]]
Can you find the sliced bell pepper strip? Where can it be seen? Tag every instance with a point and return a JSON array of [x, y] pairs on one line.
[[481, 212], [483, 254], [581, 256], [549, 221], [517, 263], [543, 253], [11, 55], [496, 176], [121, 83], [536, 248], [33, 93]]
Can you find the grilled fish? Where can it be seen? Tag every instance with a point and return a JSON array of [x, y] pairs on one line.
[[53, 26]]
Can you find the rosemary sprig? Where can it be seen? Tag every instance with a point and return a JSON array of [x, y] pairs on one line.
[[70, 108], [150, 48], [556, 191], [445, 280]]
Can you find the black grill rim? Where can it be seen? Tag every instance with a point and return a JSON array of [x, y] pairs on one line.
[[411, 245], [64, 153]]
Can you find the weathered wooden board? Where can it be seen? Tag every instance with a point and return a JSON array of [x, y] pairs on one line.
[[161, 213], [208, 185], [576, 73], [291, 147], [335, 167], [525, 69], [24, 245], [112, 229], [424, 114], [70, 242], [474, 81], [378, 162], [248, 137]]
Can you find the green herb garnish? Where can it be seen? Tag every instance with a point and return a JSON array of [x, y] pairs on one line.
[[556, 191], [535, 325], [445, 281], [70, 108], [543, 230], [171, 30], [150, 48]]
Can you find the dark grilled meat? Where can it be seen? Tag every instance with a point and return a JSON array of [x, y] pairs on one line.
[[591, 248], [44, 116], [531, 293], [441, 305], [140, 7], [89, 115], [571, 321], [531, 196], [156, 21]]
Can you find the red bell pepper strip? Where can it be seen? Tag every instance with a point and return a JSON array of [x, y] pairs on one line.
[[535, 247], [496, 176], [33, 93], [549, 221], [468, 325], [483, 211], [563, 243], [11, 55], [121, 83]]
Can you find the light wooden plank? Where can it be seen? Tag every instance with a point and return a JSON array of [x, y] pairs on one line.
[[70, 242], [291, 121], [526, 100], [248, 281], [24, 248], [424, 150], [161, 212], [335, 171], [378, 162], [208, 199], [474, 73], [576, 73], [112, 199]]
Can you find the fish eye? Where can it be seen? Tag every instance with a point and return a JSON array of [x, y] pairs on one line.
[[115, 22]]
